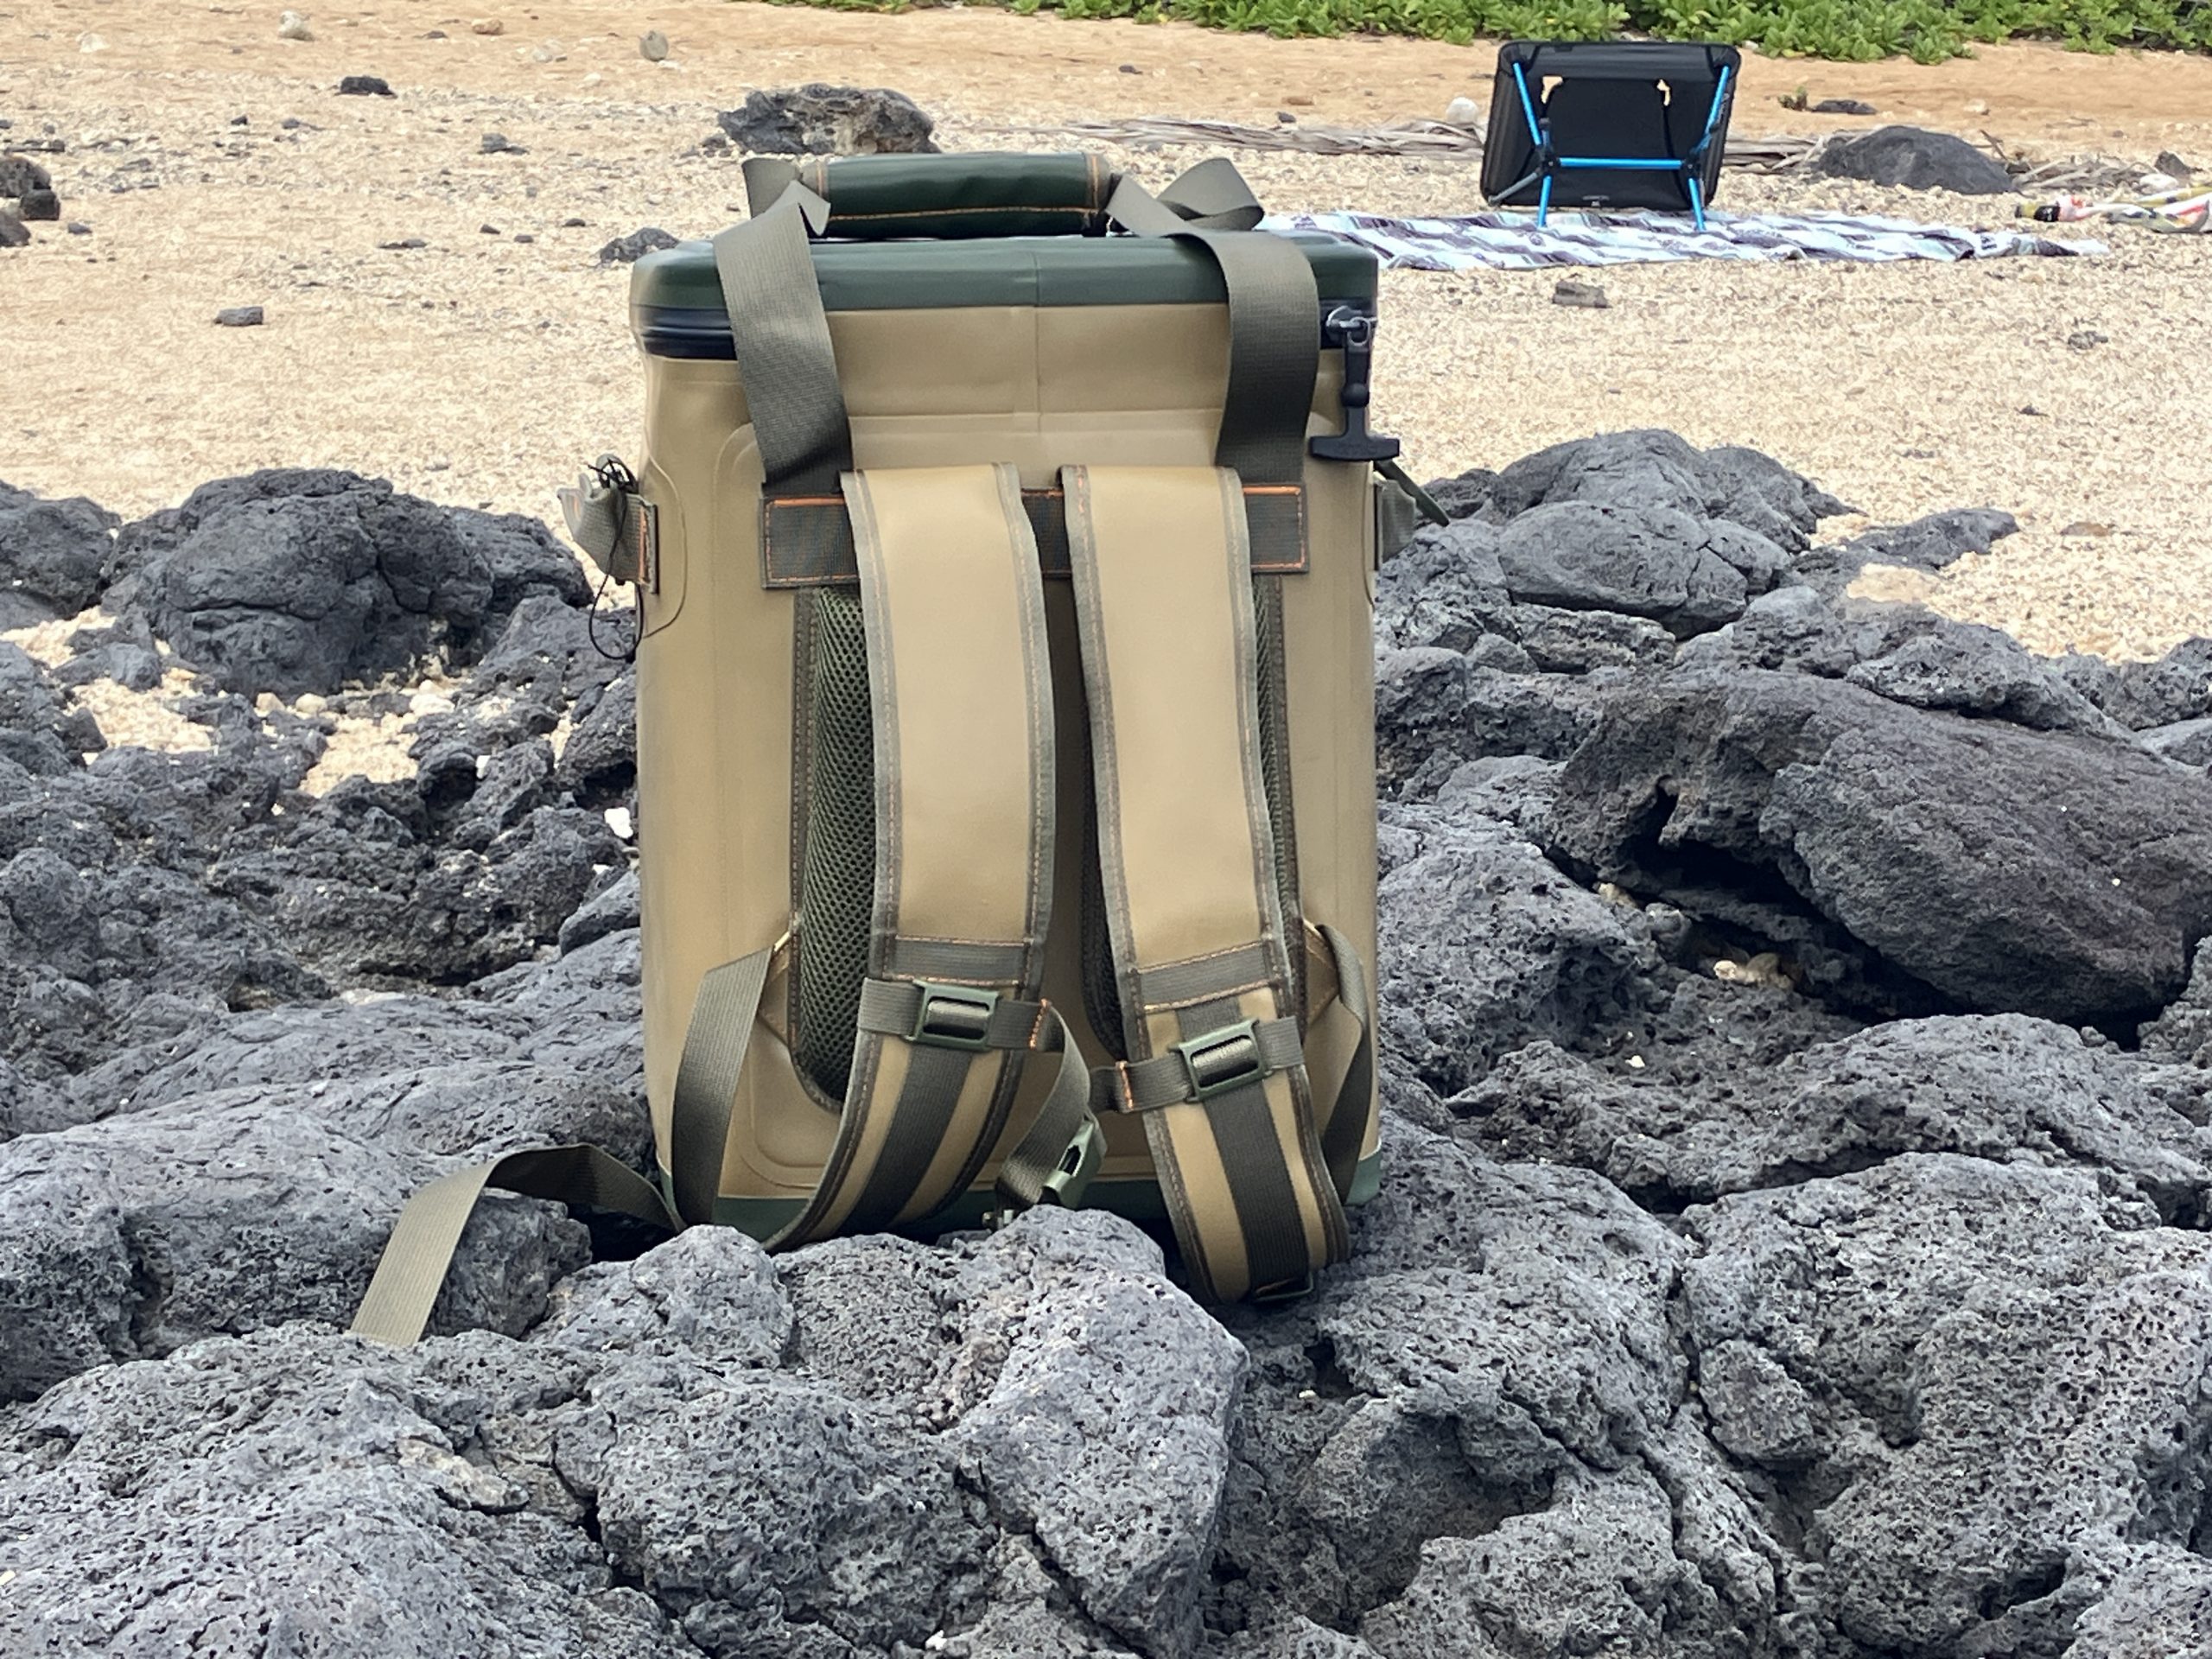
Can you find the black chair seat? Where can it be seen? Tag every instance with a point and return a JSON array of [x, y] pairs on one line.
[[1608, 124]]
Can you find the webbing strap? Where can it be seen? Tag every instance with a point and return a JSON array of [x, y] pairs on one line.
[[1187, 866], [1274, 312], [1056, 1157], [1341, 1136], [707, 1077], [419, 1251], [781, 335]]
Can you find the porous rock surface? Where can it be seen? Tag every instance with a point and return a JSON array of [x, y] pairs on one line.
[[819, 120], [1795, 1236]]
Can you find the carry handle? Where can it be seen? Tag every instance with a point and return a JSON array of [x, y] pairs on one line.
[[951, 198]]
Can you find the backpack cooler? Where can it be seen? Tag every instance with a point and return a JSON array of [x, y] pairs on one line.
[[1006, 787]]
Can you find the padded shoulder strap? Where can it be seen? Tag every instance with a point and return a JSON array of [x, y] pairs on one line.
[[1202, 953], [960, 687]]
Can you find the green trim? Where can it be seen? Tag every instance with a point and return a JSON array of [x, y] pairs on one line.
[[1134, 1200], [677, 306], [1366, 1181]]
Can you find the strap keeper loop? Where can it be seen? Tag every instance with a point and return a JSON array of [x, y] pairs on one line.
[[1221, 1060], [953, 1016]]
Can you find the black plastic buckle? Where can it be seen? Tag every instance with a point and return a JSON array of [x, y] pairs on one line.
[[1221, 1060], [953, 1016], [1352, 331]]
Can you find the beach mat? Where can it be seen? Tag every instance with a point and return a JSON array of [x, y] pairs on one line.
[[1510, 241]]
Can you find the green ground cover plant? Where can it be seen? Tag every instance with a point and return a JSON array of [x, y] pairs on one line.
[[1853, 30]]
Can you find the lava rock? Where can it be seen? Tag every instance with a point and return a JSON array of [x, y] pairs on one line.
[[1644, 469], [1487, 947], [610, 911], [240, 317], [2188, 742], [1918, 160], [2174, 688], [36, 737], [818, 119], [21, 176], [123, 1236], [628, 250], [497, 143], [298, 580], [1655, 562], [12, 233], [2005, 1413], [1586, 297], [1927, 544], [54, 556], [2004, 1087], [38, 205], [1464, 495], [2009, 870], [365, 86]]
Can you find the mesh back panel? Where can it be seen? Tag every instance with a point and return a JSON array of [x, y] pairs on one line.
[[1101, 990], [837, 873], [1275, 772]]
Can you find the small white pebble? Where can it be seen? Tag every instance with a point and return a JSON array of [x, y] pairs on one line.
[[618, 820]]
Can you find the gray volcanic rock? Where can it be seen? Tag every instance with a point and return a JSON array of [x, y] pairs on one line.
[[230, 1211], [652, 1473], [1696, 1317], [1917, 159], [37, 736], [819, 120], [1645, 469], [299, 580], [53, 555], [21, 176], [1436, 708], [2003, 1413], [1929, 545], [628, 250], [1492, 1373], [2009, 870], [1487, 948], [2146, 695], [1652, 562], [348, 1499], [2157, 1606], [1905, 653], [2004, 1087]]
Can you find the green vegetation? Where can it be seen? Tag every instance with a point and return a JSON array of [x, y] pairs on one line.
[[1857, 30]]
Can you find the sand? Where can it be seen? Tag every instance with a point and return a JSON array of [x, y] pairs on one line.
[[481, 371]]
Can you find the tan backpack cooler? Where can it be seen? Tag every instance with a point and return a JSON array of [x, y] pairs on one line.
[[1004, 550]]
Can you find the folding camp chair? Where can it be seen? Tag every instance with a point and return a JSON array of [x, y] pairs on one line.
[[1608, 124]]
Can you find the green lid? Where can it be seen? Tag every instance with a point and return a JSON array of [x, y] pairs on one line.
[[676, 298]]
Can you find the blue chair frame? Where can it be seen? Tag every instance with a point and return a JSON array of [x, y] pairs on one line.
[[1691, 167]]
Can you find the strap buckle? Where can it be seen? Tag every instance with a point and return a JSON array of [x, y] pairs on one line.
[[1071, 1177], [1221, 1060], [952, 1016]]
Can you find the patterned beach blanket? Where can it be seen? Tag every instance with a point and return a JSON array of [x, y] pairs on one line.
[[1512, 242]]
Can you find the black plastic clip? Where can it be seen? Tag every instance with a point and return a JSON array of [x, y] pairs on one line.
[[1352, 331]]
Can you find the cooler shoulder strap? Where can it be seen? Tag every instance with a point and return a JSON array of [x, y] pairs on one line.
[[960, 689], [1202, 950]]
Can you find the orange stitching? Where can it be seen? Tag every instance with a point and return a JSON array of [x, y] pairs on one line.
[[1080, 210], [1210, 996]]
